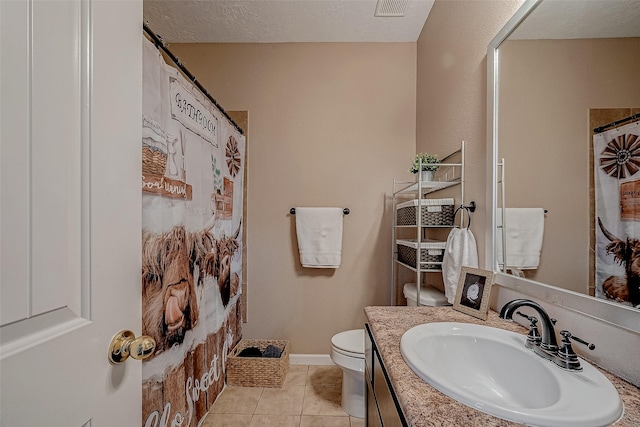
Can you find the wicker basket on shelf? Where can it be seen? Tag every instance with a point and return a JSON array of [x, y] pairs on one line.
[[431, 253], [433, 212]]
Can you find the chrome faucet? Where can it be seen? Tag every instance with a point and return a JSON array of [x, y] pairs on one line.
[[546, 346]]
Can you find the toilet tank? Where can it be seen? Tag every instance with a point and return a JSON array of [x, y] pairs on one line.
[[428, 296]]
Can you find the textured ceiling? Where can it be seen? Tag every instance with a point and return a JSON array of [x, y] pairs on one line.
[[562, 19], [275, 21]]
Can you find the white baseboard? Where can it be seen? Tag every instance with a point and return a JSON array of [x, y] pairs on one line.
[[310, 359]]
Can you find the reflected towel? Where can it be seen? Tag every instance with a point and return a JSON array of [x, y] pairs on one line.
[[460, 251], [524, 231], [319, 232]]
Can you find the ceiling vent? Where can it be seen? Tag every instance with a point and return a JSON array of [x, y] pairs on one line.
[[390, 8]]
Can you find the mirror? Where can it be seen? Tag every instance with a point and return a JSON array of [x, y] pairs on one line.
[[551, 63]]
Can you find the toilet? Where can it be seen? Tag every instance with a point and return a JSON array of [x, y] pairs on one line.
[[347, 351], [428, 296]]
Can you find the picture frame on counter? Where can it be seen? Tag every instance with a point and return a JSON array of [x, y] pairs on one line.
[[473, 291]]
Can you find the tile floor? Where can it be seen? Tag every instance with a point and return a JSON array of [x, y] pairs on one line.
[[310, 397]]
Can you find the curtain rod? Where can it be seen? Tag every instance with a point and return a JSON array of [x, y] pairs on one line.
[[160, 44], [616, 123]]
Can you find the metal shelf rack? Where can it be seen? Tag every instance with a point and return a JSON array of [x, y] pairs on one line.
[[450, 173]]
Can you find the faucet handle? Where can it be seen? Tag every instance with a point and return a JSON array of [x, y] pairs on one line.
[[567, 358], [566, 336], [533, 337]]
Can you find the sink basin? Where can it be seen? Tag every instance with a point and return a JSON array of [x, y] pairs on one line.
[[490, 369]]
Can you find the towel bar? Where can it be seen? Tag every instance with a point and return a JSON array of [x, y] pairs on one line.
[[345, 211]]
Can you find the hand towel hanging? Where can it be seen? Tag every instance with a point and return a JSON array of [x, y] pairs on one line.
[[524, 232], [319, 232], [460, 251]]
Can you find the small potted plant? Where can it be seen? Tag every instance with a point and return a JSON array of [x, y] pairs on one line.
[[429, 166]]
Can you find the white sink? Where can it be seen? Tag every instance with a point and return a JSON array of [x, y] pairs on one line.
[[491, 370]]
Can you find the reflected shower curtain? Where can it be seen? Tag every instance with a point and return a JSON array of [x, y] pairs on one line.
[[617, 212]]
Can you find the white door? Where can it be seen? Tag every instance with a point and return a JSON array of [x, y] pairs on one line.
[[70, 205]]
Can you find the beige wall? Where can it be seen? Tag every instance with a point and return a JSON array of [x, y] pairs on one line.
[[451, 88], [546, 91], [329, 125], [332, 124]]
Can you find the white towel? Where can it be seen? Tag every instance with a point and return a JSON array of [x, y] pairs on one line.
[[319, 232], [461, 250], [524, 231]]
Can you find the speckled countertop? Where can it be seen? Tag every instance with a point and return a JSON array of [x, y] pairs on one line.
[[422, 404]]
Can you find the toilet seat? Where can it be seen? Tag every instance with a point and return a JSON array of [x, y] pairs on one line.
[[349, 343]]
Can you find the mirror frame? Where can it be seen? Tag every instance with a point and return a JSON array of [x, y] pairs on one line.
[[603, 310]]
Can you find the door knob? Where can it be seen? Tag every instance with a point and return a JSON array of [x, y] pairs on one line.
[[125, 344]]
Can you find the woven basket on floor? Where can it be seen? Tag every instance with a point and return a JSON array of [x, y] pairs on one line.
[[258, 371]]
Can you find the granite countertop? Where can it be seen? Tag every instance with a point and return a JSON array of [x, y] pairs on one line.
[[422, 404]]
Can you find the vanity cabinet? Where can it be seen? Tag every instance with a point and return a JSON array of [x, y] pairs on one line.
[[382, 408], [417, 244]]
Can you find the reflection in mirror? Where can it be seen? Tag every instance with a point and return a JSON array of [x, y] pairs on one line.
[[547, 87], [550, 67]]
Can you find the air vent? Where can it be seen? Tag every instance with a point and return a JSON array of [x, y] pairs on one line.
[[390, 8]]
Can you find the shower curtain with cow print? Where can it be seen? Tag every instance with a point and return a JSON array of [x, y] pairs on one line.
[[617, 210], [192, 194]]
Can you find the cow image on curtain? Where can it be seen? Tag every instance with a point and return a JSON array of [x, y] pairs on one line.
[[192, 194], [617, 196]]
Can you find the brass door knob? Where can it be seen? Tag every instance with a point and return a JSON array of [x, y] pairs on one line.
[[125, 344]]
